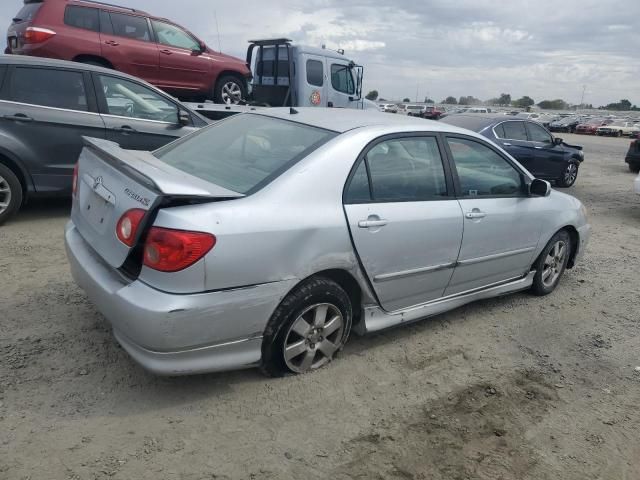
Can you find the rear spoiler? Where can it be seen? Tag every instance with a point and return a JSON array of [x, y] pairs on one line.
[[152, 172]]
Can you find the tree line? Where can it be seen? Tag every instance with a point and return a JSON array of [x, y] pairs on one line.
[[505, 100]]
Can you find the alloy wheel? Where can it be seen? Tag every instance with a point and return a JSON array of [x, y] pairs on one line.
[[313, 338], [231, 93], [570, 174], [554, 263], [5, 195]]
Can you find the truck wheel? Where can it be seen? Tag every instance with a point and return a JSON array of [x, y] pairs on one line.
[[230, 90], [10, 194]]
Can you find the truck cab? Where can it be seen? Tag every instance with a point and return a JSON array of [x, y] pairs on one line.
[[289, 75]]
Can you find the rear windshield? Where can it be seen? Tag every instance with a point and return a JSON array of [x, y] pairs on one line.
[[27, 12], [245, 152]]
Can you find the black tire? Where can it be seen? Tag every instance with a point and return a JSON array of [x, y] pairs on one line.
[[569, 175], [542, 284], [221, 91], [619, 134], [10, 193], [306, 296], [634, 168]]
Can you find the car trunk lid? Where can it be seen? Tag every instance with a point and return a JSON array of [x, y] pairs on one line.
[[111, 181]]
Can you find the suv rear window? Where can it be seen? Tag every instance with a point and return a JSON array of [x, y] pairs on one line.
[[82, 17], [244, 152], [27, 12]]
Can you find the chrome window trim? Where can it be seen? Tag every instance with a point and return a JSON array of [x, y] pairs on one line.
[[137, 119], [49, 108], [495, 256], [493, 129]]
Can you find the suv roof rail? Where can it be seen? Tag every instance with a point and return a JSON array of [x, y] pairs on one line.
[[96, 2]]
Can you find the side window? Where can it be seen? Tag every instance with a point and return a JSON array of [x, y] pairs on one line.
[[482, 172], [315, 73], [82, 17], [130, 26], [406, 169], [514, 131], [358, 190], [341, 79], [173, 36], [538, 134], [49, 88], [105, 23], [128, 99], [499, 129]]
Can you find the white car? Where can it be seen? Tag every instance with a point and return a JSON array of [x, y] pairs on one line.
[[618, 129], [636, 185], [389, 108]]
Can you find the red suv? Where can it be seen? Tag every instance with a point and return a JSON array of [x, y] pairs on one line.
[[154, 49]]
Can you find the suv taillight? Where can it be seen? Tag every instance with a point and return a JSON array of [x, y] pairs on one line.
[[168, 250], [74, 182], [128, 225], [37, 35]]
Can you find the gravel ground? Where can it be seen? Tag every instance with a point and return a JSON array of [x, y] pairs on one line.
[[516, 387]]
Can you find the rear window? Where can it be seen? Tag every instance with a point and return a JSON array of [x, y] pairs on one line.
[[82, 17], [244, 152], [470, 122], [27, 12]]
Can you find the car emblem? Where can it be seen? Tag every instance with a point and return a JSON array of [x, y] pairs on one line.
[[97, 182]]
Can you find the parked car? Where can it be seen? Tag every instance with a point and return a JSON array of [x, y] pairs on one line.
[[47, 106], [187, 261], [432, 113], [617, 129], [131, 41], [636, 185], [389, 108], [590, 127], [544, 155], [567, 124], [415, 110], [633, 156]]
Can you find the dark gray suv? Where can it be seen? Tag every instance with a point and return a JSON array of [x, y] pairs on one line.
[[47, 106]]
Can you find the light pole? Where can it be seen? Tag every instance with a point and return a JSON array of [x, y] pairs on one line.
[[584, 89]]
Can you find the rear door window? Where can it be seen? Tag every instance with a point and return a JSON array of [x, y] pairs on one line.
[[315, 73], [27, 12], [130, 26], [244, 152], [82, 17], [514, 131], [49, 88]]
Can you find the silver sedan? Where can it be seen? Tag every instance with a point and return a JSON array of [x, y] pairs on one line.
[[269, 237]]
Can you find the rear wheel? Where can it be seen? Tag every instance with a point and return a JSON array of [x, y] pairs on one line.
[[569, 175], [230, 90], [308, 329], [10, 194], [551, 264]]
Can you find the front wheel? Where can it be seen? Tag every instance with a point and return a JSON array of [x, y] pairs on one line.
[[230, 90], [551, 264], [634, 168], [569, 176], [10, 194], [308, 329]]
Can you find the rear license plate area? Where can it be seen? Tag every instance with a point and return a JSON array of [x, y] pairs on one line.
[[97, 206]]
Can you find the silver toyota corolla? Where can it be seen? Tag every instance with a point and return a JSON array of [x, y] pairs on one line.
[[265, 239]]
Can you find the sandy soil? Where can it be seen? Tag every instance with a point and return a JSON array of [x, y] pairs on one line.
[[516, 387]]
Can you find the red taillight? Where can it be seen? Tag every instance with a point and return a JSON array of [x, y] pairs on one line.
[[128, 225], [74, 182], [169, 250], [37, 35]]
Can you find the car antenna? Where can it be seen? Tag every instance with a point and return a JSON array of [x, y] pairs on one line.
[[293, 111]]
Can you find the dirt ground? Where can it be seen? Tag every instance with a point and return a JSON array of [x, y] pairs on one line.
[[510, 388]]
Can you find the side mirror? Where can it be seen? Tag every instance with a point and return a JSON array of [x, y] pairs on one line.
[[184, 118], [557, 141], [539, 188], [201, 49]]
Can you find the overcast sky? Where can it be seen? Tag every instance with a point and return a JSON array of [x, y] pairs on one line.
[[544, 49]]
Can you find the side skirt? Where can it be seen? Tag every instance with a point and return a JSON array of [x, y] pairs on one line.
[[375, 318]]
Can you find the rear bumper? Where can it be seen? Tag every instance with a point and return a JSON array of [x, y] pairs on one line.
[[632, 159], [171, 334]]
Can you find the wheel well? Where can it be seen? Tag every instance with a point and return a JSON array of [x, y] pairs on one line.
[[349, 284], [11, 165], [93, 58], [226, 73], [575, 241]]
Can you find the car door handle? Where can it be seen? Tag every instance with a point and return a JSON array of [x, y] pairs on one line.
[[166, 52], [475, 215], [125, 129], [506, 144], [113, 43], [372, 223], [18, 117], [538, 148]]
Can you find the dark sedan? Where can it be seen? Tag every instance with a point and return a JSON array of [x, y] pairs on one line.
[[633, 156], [567, 124], [544, 155]]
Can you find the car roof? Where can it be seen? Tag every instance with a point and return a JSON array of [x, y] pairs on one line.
[[343, 119], [109, 6]]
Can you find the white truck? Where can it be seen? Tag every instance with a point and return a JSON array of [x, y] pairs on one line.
[[290, 75]]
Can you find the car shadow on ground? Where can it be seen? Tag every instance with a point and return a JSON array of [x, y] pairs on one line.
[[42, 209]]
